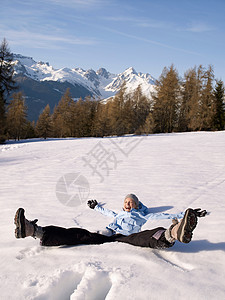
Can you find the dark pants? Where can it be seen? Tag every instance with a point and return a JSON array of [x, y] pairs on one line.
[[146, 238], [56, 236]]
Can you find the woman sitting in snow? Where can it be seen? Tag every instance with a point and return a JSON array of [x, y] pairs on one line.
[[125, 227]]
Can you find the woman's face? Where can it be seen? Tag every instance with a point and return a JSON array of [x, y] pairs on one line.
[[129, 203]]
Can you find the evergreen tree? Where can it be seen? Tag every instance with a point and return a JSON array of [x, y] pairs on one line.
[[16, 117], [166, 101], [44, 124], [121, 114], [193, 92], [128, 114], [101, 120], [207, 108], [7, 84], [188, 98], [141, 109], [219, 118], [63, 116], [148, 126], [30, 129], [81, 124], [84, 116]]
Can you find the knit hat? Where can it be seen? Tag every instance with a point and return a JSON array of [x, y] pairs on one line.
[[134, 197]]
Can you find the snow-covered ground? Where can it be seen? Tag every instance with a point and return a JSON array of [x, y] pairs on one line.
[[53, 179]]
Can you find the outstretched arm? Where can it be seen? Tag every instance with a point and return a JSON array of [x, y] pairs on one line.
[[93, 204], [199, 213], [163, 216]]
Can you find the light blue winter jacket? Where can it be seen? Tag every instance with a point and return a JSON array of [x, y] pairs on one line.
[[130, 222]]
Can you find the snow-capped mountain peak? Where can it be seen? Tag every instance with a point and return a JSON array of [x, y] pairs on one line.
[[101, 83]]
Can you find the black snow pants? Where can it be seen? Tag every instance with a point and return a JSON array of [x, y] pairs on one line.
[[154, 238], [56, 236]]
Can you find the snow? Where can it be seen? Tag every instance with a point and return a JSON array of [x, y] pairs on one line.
[[133, 80], [168, 172], [93, 81]]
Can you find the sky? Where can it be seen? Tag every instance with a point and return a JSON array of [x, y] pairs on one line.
[[117, 34]]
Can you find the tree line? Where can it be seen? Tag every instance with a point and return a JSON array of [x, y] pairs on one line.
[[195, 102]]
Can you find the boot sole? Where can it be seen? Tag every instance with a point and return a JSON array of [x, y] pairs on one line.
[[188, 224], [19, 221]]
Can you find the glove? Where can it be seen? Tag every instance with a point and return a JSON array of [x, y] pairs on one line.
[[92, 203], [200, 213]]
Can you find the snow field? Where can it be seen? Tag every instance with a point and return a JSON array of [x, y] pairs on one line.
[[168, 172]]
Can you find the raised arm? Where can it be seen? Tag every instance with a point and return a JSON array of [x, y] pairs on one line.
[[163, 216], [93, 204]]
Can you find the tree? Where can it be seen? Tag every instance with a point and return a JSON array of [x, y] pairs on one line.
[[166, 101], [141, 109], [83, 116], [63, 119], [188, 98], [219, 118], [121, 113], [148, 126], [7, 83], [207, 108], [16, 117], [100, 126], [192, 97], [44, 123]]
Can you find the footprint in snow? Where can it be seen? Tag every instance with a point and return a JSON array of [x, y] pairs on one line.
[[92, 284], [28, 252]]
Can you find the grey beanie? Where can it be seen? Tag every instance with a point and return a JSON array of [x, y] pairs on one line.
[[134, 197]]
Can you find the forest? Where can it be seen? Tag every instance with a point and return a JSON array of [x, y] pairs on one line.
[[194, 102]]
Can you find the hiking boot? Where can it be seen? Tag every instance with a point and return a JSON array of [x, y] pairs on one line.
[[24, 227], [186, 226]]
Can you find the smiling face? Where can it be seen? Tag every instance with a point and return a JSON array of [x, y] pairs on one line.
[[129, 203]]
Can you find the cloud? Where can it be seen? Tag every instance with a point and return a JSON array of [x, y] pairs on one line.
[[131, 36], [76, 3], [199, 27], [141, 22], [40, 40]]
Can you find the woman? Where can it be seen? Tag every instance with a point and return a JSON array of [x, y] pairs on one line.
[[125, 227]]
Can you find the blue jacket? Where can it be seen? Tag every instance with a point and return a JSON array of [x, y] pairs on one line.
[[130, 222]]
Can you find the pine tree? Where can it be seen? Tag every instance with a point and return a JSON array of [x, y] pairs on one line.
[[63, 121], [121, 113], [166, 101], [44, 124], [80, 121], [141, 109], [116, 112], [16, 117], [149, 125], [219, 118], [100, 126], [188, 92], [193, 91], [30, 129], [7, 84], [207, 109]]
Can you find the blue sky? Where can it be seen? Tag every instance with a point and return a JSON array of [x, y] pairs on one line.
[[117, 34]]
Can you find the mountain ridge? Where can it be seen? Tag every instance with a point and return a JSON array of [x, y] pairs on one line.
[[43, 84]]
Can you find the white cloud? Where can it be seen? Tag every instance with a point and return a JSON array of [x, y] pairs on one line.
[[80, 3], [147, 40], [141, 22], [40, 40], [199, 27]]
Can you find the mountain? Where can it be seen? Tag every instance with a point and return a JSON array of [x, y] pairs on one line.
[[42, 84]]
